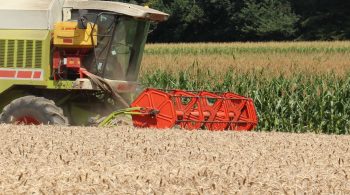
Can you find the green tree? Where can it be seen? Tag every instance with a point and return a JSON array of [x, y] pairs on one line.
[[184, 14], [217, 21], [250, 20], [323, 19], [193, 21], [267, 20]]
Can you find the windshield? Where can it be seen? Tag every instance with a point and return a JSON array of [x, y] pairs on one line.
[[120, 45]]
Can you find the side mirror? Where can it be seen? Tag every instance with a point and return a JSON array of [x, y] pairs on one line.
[[82, 23]]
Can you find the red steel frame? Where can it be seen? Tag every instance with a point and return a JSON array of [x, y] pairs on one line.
[[195, 110]]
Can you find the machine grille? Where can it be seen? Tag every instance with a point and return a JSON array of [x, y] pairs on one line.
[[29, 54], [38, 53], [21, 53], [10, 53], [2, 52]]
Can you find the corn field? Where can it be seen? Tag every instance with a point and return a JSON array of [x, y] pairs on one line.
[[297, 87], [250, 47]]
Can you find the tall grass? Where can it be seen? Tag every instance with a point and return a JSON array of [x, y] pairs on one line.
[[308, 92], [274, 58], [261, 47]]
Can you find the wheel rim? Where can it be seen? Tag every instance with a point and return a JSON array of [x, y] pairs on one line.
[[27, 120]]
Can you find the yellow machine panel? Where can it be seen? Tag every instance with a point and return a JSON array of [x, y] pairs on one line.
[[67, 34]]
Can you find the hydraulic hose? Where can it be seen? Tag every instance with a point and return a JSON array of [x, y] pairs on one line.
[[105, 86]]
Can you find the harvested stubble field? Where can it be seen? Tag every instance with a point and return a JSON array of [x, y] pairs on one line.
[[124, 160]]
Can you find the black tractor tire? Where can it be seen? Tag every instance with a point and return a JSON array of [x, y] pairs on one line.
[[32, 110]]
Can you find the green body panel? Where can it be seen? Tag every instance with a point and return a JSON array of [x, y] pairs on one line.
[[30, 50], [24, 50], [21, 49], [60, 84], [19, 58], [80, 114]]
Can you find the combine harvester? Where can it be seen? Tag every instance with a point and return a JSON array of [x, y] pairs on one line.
[[65, 62]]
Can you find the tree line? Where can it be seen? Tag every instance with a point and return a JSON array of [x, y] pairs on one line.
[[250, 20]]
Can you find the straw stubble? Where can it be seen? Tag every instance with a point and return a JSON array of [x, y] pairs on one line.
[[125, 160]]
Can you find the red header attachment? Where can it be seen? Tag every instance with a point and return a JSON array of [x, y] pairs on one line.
[[195, 110]]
